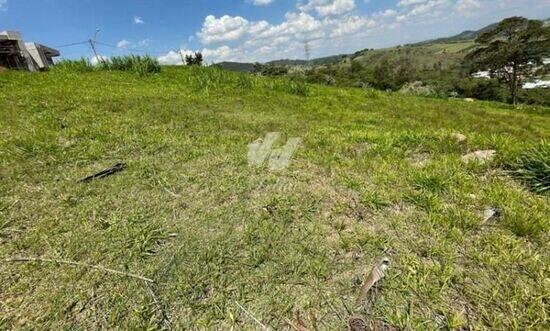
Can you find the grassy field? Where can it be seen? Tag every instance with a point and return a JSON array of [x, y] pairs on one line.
[[377, 174]]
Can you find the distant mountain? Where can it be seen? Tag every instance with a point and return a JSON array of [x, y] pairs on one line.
[[236, 66], [463, 36], [318, 61], [249, 67]]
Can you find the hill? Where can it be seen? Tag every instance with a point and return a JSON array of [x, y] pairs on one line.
[[190, 235], [249, 67], [236, 66], [463, 36]]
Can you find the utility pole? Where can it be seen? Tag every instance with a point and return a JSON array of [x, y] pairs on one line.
[[92, 43], [307, 50]]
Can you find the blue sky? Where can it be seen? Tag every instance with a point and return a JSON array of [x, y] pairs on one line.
[[249, 30]]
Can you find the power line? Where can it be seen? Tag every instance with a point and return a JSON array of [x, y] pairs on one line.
[[72, 44], [129, 49]]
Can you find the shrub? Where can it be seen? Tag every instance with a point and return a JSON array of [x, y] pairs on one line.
[[539, 96], [393, 75], [418, 88], [532, 167]]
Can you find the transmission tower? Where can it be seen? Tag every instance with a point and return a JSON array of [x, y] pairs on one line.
[[307, 50]]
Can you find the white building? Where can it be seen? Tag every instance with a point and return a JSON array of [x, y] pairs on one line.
[[16, 54]]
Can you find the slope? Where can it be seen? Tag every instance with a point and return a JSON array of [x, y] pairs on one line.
[[229, 245]]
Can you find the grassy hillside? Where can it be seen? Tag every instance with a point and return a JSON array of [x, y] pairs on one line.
[[442, 56], [231, 246], [236, 66]]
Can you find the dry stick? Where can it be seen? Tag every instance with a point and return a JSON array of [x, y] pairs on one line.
[[85, 265], [167, 190], [376, 274], [252, 316]]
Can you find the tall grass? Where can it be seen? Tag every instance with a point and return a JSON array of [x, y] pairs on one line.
[[81, 65], [141, 65], [532, 167]]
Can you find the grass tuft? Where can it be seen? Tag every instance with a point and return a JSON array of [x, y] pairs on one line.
[[532, 167]]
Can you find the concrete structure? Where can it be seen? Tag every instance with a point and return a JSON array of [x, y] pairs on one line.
[[16, 54]]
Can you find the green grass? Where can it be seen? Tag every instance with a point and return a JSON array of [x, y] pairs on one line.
[[141, 65], [533, 167], [376, 174]]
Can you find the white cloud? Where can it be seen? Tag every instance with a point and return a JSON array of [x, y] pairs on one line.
[[138, 20], [123, 43], [174, 57], [260, 2], [3, 4], [467, 7], [351, 25], [95, 60], [405, 3], [224, 28], [144, 43], [222, 53], [386, 13], [432, 8], [328, 7]]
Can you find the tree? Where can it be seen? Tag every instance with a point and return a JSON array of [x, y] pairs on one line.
[[194, 60], [394, 74], [356, 67], [512, 51], [198, 59], [189, 60]]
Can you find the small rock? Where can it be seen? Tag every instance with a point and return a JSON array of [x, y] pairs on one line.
[[357, 323], [490, 214], [459, 137], [469, 100], [479, 156], [419, 160]]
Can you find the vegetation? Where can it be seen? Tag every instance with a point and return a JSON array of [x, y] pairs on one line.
[[533, 167], [141, 65], [512, 51], [81, 65], [377, 174], [442, 64], [194, 60]]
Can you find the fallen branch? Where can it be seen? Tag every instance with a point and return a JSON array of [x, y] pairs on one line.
[[375, 275], [104, 173], [79, 264]]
